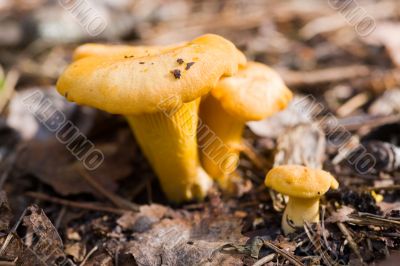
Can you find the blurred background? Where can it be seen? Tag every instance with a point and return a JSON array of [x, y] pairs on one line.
[[37, 36]]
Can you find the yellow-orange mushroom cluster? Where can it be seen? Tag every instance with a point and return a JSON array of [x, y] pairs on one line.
[[168, 94]]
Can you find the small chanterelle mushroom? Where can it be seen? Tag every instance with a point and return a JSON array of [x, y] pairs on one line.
[[304, 186], [254, 93], [158, 90]]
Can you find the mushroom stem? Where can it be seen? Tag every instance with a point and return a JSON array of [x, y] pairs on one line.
[[169, 142], [299, 210], [219, 136]]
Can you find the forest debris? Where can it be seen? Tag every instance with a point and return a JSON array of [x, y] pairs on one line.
[[255, 158], [386, 104], [340, 215], [37, 222], [65, 178], [352, 104], [386, 155], [90, 253], [115, 199], [315, 77], [291, 258], [310, 151], [99, 259], [76, 250], [8, 141], [387, 207], [387, 34], [347, 15], [43, 237], [80, 205], [144, 219], [23, 114], [7, 88], [5, 212], [187, 242], [265, 260], [352, 243], [298, 111], [317, 244], [7, 165], [366, 121]]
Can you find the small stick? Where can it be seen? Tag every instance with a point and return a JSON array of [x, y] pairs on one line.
[[265, 259], [60, 217], [80, 205], [93, 250], [352, 104], [116, 200], [282, 252], [317, 245], [7, 263], [352, 243], [8, 88], [149, 191], [256, 159], [363, 121], [140, 187], [391, 187], [12, 232], [333, 74]]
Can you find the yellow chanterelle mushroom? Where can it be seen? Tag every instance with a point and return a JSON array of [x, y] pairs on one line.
[[159, 92], [304, 186], [254, 93]]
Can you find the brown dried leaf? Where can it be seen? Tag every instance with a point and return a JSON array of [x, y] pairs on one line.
[[43, 238], [143, 220], [187, 241], [40, 158]]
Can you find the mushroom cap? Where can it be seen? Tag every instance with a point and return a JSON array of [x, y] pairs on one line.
[[255, 92], [152, 82], [300, 181], [98, 49]]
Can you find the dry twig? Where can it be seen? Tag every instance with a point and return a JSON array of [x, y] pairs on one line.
[[74, 204]]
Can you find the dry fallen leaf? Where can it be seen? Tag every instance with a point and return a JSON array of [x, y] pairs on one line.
[[40, 159], [187, 241], [143, 220], [43, 236]]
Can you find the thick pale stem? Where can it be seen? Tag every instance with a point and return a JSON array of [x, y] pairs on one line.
[[219, 136], [299, 210], [168, 140]]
